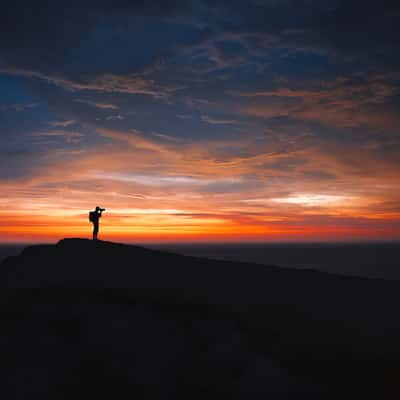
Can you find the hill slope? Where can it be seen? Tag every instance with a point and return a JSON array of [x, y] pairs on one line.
[[118, 320]]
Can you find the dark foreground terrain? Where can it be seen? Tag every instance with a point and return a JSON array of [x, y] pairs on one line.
[[97, 319]]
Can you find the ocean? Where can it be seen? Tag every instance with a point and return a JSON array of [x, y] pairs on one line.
[[374, 260]]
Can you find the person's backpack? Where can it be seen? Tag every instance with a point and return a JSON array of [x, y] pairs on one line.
[[92, 216]]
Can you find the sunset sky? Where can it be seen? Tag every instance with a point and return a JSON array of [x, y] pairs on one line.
[[258, 120]]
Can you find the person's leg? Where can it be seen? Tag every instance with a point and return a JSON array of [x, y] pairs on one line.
[[95, 231]]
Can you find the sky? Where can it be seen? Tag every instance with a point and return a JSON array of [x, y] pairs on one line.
[[263, 120]]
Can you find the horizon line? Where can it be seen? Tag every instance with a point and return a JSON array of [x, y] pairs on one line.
[[213, 243]]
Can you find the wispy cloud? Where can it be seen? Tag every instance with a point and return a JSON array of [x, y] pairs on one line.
[[17, 106], [69, 136], [184, 116], [63, 124], [217, 121], [100, 105], [168, 138], [314, 199], [111, 83], [344, 102], [115, 117]]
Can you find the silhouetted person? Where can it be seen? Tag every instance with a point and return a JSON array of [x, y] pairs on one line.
[[94, 217]]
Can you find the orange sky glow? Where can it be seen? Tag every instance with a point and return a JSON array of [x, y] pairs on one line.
[[206, 202]]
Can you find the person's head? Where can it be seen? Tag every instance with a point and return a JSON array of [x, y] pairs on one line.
[[100, 209]]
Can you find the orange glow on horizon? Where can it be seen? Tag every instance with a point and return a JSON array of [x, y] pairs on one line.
[[32, 229], [211, 199]]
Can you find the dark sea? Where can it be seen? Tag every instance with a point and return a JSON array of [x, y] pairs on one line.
[[374, 260]]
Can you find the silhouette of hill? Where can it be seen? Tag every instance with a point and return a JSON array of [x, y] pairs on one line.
[[105, 319]]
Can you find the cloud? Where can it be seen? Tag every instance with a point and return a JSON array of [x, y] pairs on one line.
[[63, 124], [17, 106], [135, 139], [312, 199], [100, 105], [69, 136], [41, 43], [115, 117], [153, 180], [216, 121], [129, 84], [107, 39], [169, 138], [345, 102]]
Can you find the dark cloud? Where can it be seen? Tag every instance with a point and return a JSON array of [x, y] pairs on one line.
[[360, 26], [76, 40], [44, 31]]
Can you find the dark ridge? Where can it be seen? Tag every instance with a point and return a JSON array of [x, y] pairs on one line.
[[107, 319]]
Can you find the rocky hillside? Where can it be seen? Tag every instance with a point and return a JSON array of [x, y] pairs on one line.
[[106, 319]]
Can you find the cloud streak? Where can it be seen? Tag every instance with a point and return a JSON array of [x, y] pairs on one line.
[[345, 102]]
